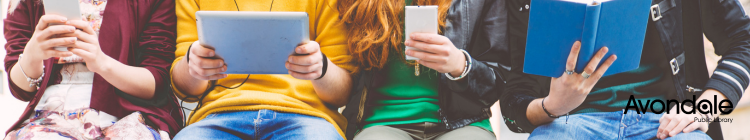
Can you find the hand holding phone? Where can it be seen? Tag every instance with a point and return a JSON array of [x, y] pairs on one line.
[[65, 8], [423, 19]]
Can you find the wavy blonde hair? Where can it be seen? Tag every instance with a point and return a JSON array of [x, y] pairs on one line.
[[375, 28]]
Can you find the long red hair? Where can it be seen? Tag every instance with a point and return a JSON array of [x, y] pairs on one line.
[[375, 28]]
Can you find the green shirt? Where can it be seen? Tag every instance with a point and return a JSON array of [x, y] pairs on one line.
[[407, 99]]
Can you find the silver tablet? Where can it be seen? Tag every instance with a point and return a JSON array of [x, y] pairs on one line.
[[253, 42]]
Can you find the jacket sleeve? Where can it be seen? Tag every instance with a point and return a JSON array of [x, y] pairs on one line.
[[728, 27], [157, 40], [19, 27], [485, 77]]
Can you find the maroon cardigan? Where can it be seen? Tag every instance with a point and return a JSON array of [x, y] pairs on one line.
[[135, 32]]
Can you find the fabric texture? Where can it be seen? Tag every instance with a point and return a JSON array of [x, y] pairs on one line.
[[423, 131], [260, 125], [136, 32], [608, 125], [83, 124], [282, 93]]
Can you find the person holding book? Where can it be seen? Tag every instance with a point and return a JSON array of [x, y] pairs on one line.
[[444, 95], [299, 105], [101, 77], [672, 67]]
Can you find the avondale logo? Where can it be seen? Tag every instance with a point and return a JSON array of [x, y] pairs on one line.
[[704, 106]]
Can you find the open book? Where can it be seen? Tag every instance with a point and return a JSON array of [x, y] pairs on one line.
[[554, 25]]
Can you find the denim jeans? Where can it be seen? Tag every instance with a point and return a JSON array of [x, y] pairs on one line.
[[262, 124], [607, 125]]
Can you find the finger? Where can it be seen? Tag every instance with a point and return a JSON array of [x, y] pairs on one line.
[[602, 69], [206, 63], [425, 56], [48, 44], [201, 51], [82, 45], [206, 72], [429, 38], [82, 53], [591, 66], [573, 56], [677, 129], [431, 48], [55, 53], [80, 35], [663, 122], [672, 124], [45, 20], [50, 32], [305, 60], [212, 77], [692, 127], [305, 76], [83, 25], [308, 48], [304, 69]]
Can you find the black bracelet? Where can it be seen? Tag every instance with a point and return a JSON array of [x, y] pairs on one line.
[[187, 54], [549, 114], [325, 66]]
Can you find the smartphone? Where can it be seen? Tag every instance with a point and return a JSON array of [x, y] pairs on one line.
[[67, 8], [423, 19]]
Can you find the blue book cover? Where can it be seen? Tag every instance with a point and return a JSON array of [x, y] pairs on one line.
[[554, 25]]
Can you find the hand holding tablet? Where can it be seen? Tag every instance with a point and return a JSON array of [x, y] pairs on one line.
[[66, 8]]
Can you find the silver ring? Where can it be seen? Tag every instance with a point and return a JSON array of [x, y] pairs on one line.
[[569, 72], [585, 75]]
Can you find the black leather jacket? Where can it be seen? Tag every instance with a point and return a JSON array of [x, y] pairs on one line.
[[477, 26], [681, 28]]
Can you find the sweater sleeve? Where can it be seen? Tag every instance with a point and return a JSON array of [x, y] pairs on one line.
[[157, 42], [19, 27], [331, 34], [187, 33], [730, 32]]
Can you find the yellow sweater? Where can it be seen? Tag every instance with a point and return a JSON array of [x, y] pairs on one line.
[[281, 93]]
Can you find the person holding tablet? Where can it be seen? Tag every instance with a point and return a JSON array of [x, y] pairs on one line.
[[444, 95], [299, 105], [109, 80]]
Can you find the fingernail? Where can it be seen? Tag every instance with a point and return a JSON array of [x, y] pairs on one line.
[[408, 52], [211, 54], [407, 43], [71, 29]]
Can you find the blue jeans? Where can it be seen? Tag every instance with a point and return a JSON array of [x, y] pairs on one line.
[[607, 125], [262, 124]]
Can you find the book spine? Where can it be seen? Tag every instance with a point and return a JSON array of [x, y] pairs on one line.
[[588, 36]]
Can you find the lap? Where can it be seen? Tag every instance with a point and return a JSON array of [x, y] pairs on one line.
[[262, 124], [381, 132], [607, 125], [468, 132]]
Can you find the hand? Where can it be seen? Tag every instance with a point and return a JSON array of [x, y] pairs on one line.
[[87, 47], [42, 42], [204, 64], [568, 91], [307, 61], [438, 53], [673, 123]]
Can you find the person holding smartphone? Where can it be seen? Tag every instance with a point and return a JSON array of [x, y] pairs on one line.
[[447, 93], [111, 81], [299, 105], [588, 105]]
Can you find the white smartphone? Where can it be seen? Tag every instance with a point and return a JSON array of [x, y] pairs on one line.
[[67, 8], [423, 19]]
